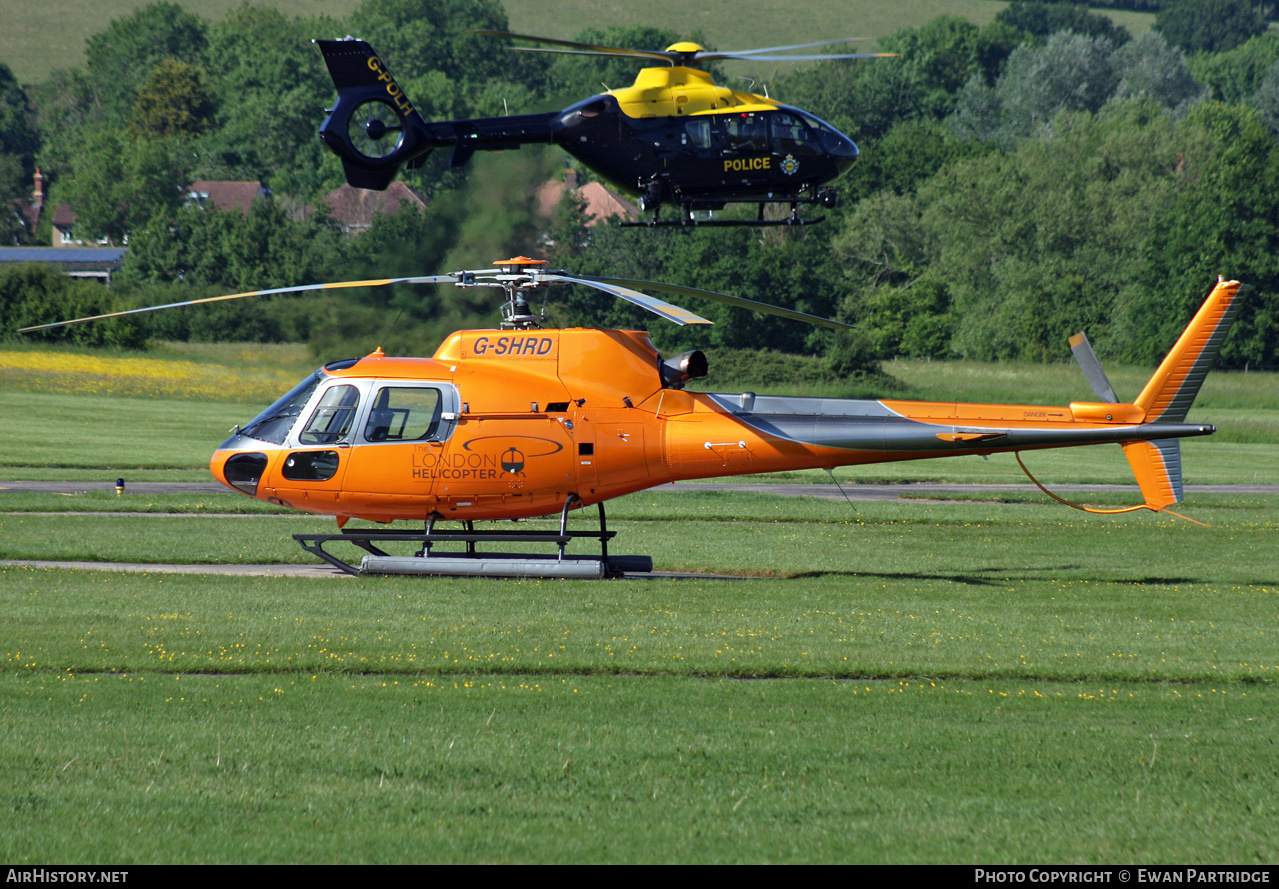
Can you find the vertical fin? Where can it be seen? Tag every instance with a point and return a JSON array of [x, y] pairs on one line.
[[1157, 466], [1170, 392]]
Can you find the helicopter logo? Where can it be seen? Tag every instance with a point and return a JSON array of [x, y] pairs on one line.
[[513, 462]]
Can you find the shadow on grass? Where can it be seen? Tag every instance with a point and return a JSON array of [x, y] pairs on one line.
[[996, 576]]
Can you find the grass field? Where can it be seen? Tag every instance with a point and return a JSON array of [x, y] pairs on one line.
[[919, 683], [906, 682], [43, 37]]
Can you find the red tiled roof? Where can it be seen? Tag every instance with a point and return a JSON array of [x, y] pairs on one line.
[[226, 195], [29, 212], [357, 207], [600, 202], [63, 216]]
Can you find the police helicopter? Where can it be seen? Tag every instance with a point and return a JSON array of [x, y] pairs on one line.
[[523, 421], [673, 137]]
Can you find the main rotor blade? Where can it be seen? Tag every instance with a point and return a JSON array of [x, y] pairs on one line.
[[704, 57], [573, 44], [681, 316], [751, 52], [377, 282], [596, 52], [738, 301]]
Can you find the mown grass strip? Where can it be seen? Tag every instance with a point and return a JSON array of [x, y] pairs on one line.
[[371, 769]]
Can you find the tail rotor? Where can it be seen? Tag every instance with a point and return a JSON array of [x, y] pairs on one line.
[[373, 127]]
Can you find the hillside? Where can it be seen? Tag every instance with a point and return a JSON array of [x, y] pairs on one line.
[[39, 38]]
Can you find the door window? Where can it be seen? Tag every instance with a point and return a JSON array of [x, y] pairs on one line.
[[333, 417], [404, 413]]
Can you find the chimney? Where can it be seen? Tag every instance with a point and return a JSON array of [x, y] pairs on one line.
[[570, 179], [37, 196]]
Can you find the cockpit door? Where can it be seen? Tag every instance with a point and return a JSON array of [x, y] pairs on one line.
[[317, 450]]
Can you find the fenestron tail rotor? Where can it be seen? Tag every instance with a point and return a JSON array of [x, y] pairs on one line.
[[375, 129], [517, 278]]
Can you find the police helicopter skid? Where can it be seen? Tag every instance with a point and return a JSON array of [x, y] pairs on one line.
[[523, 421], [673, 137]]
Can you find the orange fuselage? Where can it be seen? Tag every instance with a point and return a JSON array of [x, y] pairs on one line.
[[504, 424]]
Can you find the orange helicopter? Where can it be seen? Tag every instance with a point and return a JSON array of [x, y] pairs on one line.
[[525, 421]]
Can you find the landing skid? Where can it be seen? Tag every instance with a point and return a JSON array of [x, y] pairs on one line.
[[469, 561]]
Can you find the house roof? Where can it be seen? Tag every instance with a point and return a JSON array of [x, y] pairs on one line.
[[227, 195], [29, 212], [64, 216], [357, 207], [600, 202]]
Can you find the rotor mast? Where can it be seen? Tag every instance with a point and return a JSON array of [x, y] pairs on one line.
[[517, 278]]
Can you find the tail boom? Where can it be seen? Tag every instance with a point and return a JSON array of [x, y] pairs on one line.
[[375, 129]]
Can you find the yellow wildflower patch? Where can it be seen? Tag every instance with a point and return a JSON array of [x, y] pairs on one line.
[[89, 374]]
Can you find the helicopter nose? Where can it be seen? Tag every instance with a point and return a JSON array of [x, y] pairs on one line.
[[843, 147], [844, 150]]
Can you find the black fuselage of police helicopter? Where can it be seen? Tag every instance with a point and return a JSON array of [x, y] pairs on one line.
[[699, 161]]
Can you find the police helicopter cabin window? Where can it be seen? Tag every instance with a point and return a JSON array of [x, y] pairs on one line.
[[698, 133], [746, 131], [332, 419], [404, 414]]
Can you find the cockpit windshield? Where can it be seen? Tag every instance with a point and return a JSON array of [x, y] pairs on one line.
[[274, 423], [833, 141]]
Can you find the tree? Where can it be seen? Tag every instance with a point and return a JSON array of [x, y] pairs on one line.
[[419, 36], [121, 57], [67, 108], [1266, 98], [172, 102], [1044, 19], [908, 155], [33, 293], [1149, 67], [268, 81], [1070, 72], [866, 99], [19, 141], [118, 184], [18, 133], [261, 249], [1014, 251], [1224, 222], [1234, 75], [1209, 25]]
